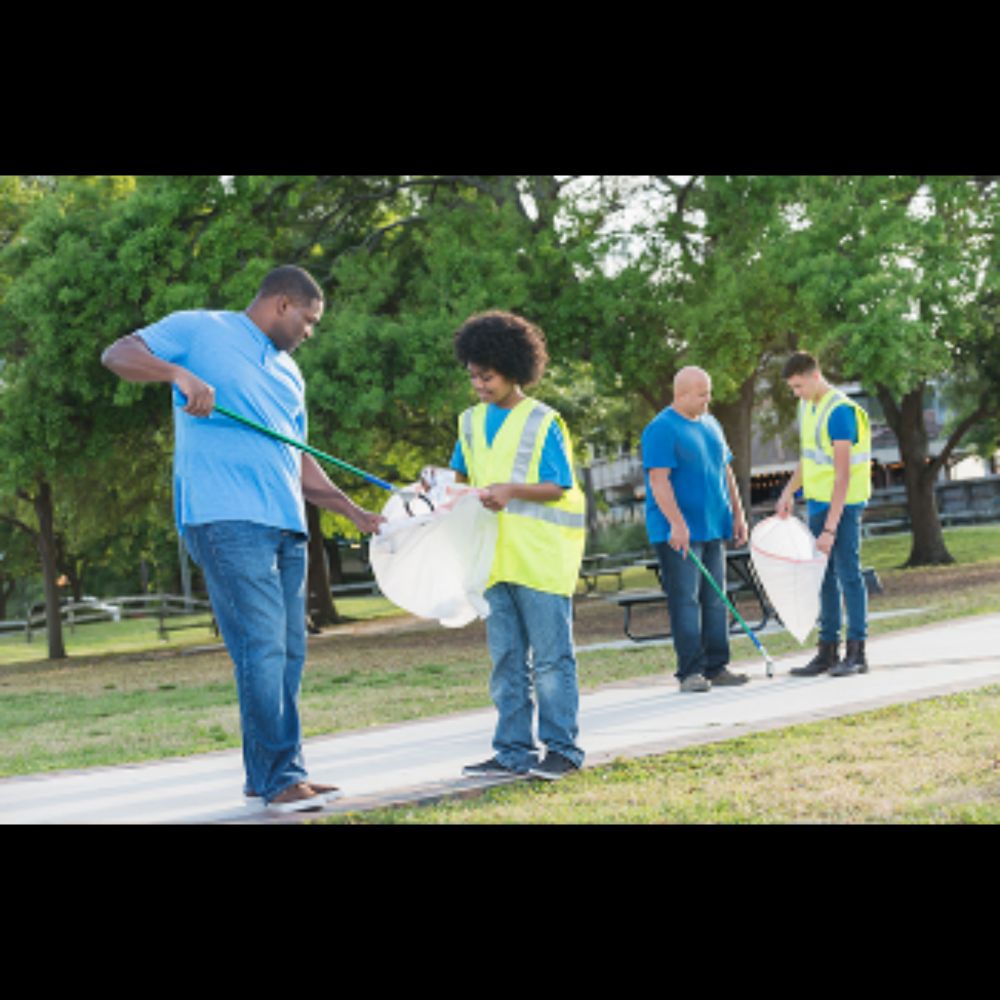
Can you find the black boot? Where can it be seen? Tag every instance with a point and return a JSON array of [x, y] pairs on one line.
[[854, 661], [825, 659]]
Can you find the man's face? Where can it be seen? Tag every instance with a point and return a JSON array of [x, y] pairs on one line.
[[294, 322], [805, 386], [694, 397]]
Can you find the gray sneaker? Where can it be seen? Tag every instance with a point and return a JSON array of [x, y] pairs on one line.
[[726, 678], [695, 682]]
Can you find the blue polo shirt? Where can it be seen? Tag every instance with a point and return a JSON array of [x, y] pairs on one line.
[[696, 453], [223, 470]]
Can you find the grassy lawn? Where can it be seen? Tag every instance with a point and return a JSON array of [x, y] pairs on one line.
[[933, 761], [123, 696]]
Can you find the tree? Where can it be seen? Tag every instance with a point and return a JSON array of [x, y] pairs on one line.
[[903, 270]]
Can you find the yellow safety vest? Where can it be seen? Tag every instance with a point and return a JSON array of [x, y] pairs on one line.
[[539, 545], [817, 450]]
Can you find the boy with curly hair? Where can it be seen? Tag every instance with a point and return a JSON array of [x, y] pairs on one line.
[[518, 451]]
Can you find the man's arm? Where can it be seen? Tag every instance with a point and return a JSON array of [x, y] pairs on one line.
[[666, 500], [318, 489], [129, 358], [841, 482], [740, 534], [786, 502]]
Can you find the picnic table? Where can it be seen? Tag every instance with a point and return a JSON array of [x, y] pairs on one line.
[[600, 564], [741, 580]]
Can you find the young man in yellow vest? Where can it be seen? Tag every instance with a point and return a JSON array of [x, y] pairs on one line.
[[834, 471], [519, 452]]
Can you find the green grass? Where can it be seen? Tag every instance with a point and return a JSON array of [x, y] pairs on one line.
[[103, 706], [933, 761]]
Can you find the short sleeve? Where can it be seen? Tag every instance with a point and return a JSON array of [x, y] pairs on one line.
[[169, 338]]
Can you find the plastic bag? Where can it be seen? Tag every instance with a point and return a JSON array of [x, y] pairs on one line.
[[436, 564], [791, 569]]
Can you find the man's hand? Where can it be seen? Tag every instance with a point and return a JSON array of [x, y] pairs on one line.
[[366, 521], [680, 537], [786, 504], [740, 533], [825, 542], [200, 395]]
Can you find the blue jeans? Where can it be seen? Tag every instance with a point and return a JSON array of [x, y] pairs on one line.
[[530, 638], [699, 619], [256, 578], [843, 577]]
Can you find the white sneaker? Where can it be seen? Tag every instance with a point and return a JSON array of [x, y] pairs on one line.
[[296, 798], [329, 793]]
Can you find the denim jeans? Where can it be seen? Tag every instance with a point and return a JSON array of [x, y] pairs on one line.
[[699, 619], [530, 638], [843, 577], [256, 578]]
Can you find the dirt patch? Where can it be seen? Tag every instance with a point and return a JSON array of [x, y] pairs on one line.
[[598, 620], [939, 580]]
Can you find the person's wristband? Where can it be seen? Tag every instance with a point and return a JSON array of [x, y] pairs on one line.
[[828, 531]]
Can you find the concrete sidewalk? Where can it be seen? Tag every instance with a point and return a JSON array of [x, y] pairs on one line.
[[420, 760]]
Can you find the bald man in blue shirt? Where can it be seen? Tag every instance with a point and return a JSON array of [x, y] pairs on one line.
[[238, 503], [693, 504]]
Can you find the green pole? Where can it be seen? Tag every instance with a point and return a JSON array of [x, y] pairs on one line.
[[746, 628], [302, 446]]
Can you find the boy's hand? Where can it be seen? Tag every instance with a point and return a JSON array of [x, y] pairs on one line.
[[497, 496]]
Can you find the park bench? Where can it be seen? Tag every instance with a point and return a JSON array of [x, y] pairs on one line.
[[594, 567], [600, 564]]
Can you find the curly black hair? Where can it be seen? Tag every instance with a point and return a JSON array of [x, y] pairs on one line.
[[508, 344]]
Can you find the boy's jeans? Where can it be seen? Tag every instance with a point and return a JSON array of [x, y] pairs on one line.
[[699, 620], [843, 576], [530, 639], [256, 578]]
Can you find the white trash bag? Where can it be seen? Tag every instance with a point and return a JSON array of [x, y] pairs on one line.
[[436, 564], [791, 569]]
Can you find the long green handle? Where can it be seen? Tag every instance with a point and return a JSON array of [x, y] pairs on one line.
[[746, 628], [315, 452]]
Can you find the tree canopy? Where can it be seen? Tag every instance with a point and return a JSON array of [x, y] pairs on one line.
[[892, 280]]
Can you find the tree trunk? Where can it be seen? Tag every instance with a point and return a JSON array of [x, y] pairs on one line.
[[736, 417], [927, 547], [321, 607], [50, 572], [587, 482]]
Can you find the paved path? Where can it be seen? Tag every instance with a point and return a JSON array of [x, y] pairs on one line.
[[418, 760]]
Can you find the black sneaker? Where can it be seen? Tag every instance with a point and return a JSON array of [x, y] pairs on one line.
[[554, 767], [491, 768]]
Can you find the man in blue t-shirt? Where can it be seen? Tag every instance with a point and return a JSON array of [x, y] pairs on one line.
[[693, 503], [238, 503]]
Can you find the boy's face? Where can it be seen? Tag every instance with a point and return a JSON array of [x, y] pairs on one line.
[[489, 385]]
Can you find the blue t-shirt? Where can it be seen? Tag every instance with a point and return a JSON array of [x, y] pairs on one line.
[[223, 470], [696, 453], [843, 426], [553, 465]]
